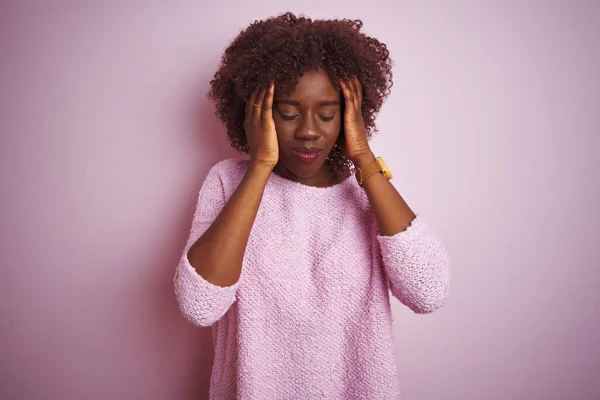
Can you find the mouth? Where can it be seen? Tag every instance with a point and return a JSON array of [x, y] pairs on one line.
[[307, 154]]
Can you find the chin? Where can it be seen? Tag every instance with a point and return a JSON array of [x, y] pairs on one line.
[[303, 170]]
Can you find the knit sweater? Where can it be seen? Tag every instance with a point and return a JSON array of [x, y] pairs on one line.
[[309, 317]]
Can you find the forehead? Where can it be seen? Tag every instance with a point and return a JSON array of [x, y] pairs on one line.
[[314, 85]]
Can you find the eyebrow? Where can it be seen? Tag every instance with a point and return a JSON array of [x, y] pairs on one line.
[[297, 103]]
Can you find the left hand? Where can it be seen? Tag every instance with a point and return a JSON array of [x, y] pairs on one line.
[[356, 144]]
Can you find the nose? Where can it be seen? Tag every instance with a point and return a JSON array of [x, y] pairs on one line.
[[307, 130]]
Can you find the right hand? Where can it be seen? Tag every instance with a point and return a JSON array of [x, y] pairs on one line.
[[260, 128]]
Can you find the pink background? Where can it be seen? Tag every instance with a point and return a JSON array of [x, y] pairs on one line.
[[493, 130]]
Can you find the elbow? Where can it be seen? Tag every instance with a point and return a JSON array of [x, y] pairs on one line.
[[418, 269], [431, 297], [430, 291], [201, 302], [201, 308], [197, 314], [429, 301], [425, 293]]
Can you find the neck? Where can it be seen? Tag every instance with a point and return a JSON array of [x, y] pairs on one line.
[[323, 178]]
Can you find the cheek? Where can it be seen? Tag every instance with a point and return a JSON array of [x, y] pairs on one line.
[[333, 130], [285, 130]]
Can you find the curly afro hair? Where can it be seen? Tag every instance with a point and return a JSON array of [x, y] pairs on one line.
[[281, 49]]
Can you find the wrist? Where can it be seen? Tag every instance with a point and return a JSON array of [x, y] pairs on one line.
[[363, 158], [260, 169]]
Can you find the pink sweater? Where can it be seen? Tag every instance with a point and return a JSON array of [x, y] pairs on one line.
[[310, 315]]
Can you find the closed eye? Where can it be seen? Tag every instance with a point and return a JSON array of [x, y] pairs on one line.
[[287, 117]]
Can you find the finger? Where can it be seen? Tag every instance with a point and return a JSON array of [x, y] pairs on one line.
[[258, 103], [347, 94], [267, 110], [359, 91], [354, 86], [249, 107]]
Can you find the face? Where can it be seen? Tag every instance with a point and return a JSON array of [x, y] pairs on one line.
[[308, 123]]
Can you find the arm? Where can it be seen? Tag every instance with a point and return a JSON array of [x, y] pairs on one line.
[[392, 213], [414, 259], [218, 254], [417, 267], [208, 275], [415, 262]]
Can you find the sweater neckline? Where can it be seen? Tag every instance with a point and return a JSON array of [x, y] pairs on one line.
[[293, 185]]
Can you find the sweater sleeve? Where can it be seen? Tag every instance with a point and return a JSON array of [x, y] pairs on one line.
[[417, 267], [201, 302]]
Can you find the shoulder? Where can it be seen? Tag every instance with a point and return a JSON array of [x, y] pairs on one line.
[[355, 196], [229, 167], [227, 173]]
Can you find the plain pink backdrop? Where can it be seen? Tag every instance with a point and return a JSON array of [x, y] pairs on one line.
[[493, 130]]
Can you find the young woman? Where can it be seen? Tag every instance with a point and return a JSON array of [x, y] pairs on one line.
[[292, 253]]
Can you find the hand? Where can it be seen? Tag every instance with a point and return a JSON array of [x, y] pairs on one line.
[[260, 128], [356, 142]]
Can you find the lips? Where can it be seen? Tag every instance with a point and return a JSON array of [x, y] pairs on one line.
[[307, 154], [307, 150]]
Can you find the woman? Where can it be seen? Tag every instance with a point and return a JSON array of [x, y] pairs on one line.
[[290, 259]]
